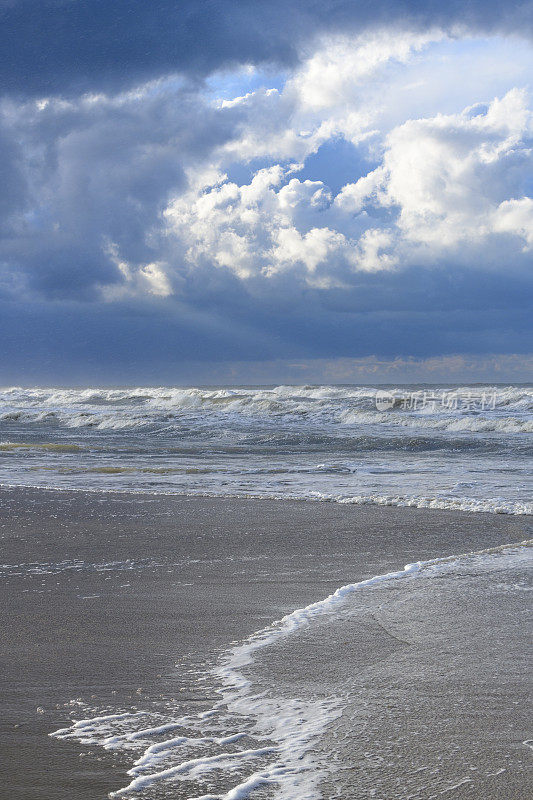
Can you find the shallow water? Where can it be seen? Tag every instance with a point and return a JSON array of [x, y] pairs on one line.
[[336, 669], [145, 606]]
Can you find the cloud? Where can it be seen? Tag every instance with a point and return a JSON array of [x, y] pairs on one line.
[[361, 199], [95, 170], [144, 171], [140, 279], [259, 230], [449, 186], [516, 218], [334, 92], [65, 47], [449, 174]]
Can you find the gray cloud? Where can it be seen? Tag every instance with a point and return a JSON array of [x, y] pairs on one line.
[[65, 46], [125, 251], [88, 172]]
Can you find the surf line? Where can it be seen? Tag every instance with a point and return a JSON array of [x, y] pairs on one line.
[[291, 725], [241, 655]]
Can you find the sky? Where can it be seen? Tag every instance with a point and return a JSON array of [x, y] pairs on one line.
[[256, 192]]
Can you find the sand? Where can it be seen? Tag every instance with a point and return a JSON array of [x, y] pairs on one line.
[[118, 601]]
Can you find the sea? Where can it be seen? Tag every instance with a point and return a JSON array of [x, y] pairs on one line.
[[450, 447], [266, 592]]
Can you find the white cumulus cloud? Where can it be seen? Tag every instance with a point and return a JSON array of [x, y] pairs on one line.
[[447, 187]]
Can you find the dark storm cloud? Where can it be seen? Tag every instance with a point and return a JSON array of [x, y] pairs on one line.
[[99, 173], [64, 46], [86, 181], [415, 311], [147, 342], [14, 192]]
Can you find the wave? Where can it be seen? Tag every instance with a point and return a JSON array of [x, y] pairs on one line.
[[348, 418], [489, 505], [149, 438], [505, 410], [51, 446], [272, 398], [453, 423], [287, 729]]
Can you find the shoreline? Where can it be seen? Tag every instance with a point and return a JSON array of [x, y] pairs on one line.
[[404, 503], [119, 602]]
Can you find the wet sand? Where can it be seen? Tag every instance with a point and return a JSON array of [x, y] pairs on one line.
[[116, 601]]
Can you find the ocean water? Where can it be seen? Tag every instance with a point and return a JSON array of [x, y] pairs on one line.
[[456, 447], [299, 714]]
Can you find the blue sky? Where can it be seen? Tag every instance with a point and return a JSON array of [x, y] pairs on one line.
[[220, 192]]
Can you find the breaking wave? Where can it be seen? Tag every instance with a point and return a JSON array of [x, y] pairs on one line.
[[252, 736], [467, 447]]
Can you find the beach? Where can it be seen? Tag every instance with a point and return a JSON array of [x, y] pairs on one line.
[[266, 400], [122, 603]]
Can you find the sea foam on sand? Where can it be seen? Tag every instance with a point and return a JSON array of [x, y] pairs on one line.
[[285, 729]]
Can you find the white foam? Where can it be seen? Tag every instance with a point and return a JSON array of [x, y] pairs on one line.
[[486, 505], [160, 750], [192, 768], [290, 725], [137, 407], [94, 730], [293, 442]]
